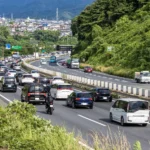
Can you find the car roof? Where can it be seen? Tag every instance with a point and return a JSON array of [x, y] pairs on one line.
[[9, 77], [63, 84], [12, 70], [131, 99]]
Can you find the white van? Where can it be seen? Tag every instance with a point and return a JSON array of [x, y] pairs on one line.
[[130, 110], [61, 90], [57, 80], [43, 61]]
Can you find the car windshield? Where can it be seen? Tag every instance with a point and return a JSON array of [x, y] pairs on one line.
[[75, 60], [13, 71], [103, 91], [137, 105], [64, 87], [36, 88], [9, 80], [58, 78], [35, 71], [84, 95]]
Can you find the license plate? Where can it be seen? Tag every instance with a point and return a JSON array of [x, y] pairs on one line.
[[37, 98], [51, 105], [84, 104], [9, 85], [104, 97]]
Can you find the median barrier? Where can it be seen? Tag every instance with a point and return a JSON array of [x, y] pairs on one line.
[[112, 86], [125, 89], [102, 83], [119, 88], [106, 84]]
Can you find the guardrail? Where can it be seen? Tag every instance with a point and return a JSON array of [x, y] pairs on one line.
[[140, 92]]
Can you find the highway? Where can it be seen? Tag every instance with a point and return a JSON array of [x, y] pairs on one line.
[[85, 121], [95, 75]]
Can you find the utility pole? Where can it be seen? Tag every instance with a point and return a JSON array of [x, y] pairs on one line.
[[12, 16], [57, 18]]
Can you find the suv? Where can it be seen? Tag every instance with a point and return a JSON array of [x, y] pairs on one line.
[[25, 79], [101, 94], [8, 84], [130, 110], [34, 93]]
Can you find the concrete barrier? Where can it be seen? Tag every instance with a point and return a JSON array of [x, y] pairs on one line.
[[106, 84], [129, 90], [115, 86], [102, 84], [119, 88], [125, 89]]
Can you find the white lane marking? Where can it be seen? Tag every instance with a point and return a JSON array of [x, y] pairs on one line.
[[124, 81], [5, 98], [110, 78], [117, 79], [19, 88], [92, 120]]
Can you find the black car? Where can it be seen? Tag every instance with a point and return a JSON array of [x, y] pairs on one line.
[[19, 76], [8, 84], [80, 99], [34, 93], [101, 94], [12, 65]]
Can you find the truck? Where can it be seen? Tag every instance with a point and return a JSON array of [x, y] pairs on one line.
[[142, 77], [73, 63], [36, 54]]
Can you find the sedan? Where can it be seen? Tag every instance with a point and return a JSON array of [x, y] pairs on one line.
[[88, 69], [80, 99]]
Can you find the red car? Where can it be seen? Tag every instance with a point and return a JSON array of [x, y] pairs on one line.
[[88, 69], [63, 63]]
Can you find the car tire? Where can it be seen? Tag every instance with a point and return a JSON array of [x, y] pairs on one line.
[[22, 99], [73, 105], [110, 100], [144, 125], [67, 103], [91, 107], [2, 89], [122, 121], [111, 117]]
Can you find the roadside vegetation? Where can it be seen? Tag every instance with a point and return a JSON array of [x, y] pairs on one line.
[[114, 36], [21, 129]]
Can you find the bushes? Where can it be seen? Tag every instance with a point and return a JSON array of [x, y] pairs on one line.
[[20, 129]]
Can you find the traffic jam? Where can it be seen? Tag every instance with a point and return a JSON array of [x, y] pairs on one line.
[[38, 89]]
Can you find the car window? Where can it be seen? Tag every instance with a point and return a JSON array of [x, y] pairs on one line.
[[116, 104], [64, 87], [9, 80], [102, 91], [123, 105], [27, 76], [137, 105], [34, 71], [84, 95], [36, 88]]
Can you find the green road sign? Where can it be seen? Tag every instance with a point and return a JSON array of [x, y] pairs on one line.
[[43, 50], [16, 47]]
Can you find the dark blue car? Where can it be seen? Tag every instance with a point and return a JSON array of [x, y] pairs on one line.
[[80, 99]]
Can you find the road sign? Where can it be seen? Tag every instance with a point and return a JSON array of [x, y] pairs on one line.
[[8, 46], [43, 50], [16, 47]]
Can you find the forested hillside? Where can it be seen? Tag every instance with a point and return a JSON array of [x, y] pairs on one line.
[[115, 34]]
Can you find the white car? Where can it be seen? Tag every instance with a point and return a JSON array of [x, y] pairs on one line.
[[35, 74], [11, 73], [17, 67], [43, 61], [26, 78], [131, 111], [61, 90], [56, 80]]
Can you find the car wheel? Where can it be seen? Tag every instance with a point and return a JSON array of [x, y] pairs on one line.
[[73, 105], [144, 125], [111, 117], [2, 89], [91, 107], [15, 91], [22, 100], [67, 103], [122, 121], [110, 100]]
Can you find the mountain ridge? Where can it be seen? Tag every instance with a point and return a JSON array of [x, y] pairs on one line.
[[43, 8]]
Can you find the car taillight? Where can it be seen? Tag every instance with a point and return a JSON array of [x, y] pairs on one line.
[[29, 94], [44, 94], [90, 99], [59, 89], [77, 99]]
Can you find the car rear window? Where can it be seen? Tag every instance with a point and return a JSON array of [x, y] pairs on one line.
[[9, 80], [35, 71], [27, 76], [2, 74], [103, 91], [137, 105], [36, 88], [64, 87], [85, 95], [12, 71], [57, 78], [44, 81]]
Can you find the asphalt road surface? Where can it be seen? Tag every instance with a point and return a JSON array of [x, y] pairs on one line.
[[86, 121]]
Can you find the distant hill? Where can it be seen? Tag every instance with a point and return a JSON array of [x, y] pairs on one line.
[[42, 8]]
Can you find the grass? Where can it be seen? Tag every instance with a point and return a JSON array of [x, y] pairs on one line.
[[129, 73]]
